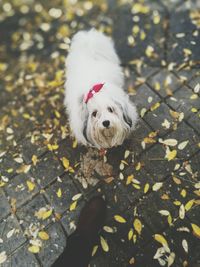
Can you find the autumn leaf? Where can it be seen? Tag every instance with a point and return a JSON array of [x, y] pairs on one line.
[[160, 238], [130, 234], [170, 155], [43, 235], [30, 185], [73, 206], [146, 188], [129, 179], [34, 249], [189, 204], [157, 186], [59, 193], [94, 250], [138, 226], [34, 159], [43, 213], [104, 244], [196, 230], [119, 219]]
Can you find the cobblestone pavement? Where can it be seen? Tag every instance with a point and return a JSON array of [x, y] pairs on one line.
[[151, 183]]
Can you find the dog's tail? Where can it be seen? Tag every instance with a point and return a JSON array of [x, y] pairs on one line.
[[96, 43]]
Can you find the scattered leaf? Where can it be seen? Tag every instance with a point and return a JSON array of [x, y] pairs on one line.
[[196, 230], [34, 249], [43, 235], [73, 206], [104, 244], [137, 225], [157, 186], [59, 193], [160, 238], [94, 250], [182, 212], [119, 219], [30, 185], [170, 155]]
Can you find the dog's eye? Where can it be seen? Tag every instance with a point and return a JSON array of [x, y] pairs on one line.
[[94, 113], [110, 110]]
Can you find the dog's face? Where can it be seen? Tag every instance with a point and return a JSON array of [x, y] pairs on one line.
[[107, 122]]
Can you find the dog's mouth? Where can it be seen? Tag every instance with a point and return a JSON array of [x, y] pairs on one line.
[[108, 133]]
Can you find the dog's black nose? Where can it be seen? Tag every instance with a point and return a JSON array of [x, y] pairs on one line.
[[106, 123]]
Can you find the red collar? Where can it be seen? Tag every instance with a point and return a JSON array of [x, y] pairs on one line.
[[95, 89]]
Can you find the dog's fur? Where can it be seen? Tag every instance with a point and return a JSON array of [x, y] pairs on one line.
[[92, 59]]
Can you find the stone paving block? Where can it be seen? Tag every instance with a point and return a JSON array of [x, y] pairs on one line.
[[161, 119], [60, 193], [116, 257], [148, 211], [47, 169], [135, 189], [154, 161], [18, 189], [10, 165], [125, 18], [190, 169], [184, 14], [133, 144], [67, 150], [195, 81], [194, 121], [53, 247], [164, 83], [186, 74], [179, 189], [185, 49], [11, 235], [70, 218], [183, 101], [178, 236], [129, 243], [147, 71], [22, 257], [144, 98], [145, 257], [185, 133], [5, 208], [116, 199], [27, 214], [32, 144]]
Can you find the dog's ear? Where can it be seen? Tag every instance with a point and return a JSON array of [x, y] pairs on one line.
[[129, 111], [84, 118]]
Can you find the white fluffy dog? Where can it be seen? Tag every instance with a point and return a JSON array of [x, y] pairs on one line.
[[100, 112]]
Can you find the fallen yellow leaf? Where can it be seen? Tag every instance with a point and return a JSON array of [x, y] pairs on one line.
[[138, 226], [43, 235], [43, 213], [146, 188], [34, 159], [59, 193], [94, 250], [104, 244], [129, 179], [31, 185], [34, 249], [65, 162], [196, 230], [170, 155], [73, 206], [160, 238], [130, 234], [119, 219], [189, 204]]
